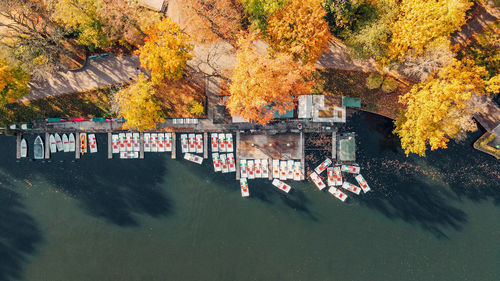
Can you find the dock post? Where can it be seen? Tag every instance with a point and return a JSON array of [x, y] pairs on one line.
[[47, 146], [77, 146], [334, 146], [270, 168], [205, 145], [238, 155], [174, 146], [302, 157], [110, 151], [18, 146], [141, 145]]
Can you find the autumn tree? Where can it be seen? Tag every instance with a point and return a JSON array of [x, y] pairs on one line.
[[165, 52], [206, 18], [137, 105], [439, 108], [31, 36], [420, 23], [299, 28], [259, 10], [260, 83], [13, 83]]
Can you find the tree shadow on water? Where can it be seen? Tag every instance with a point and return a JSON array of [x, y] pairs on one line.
[[19, 235], [116, 190]]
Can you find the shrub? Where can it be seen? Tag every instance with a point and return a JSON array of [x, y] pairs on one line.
[[196, 108], [389, 85], [374, 81]]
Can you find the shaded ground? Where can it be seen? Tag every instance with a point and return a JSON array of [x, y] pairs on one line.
[[479, 18], [352, 84]]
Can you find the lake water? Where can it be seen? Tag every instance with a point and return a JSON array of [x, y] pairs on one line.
[[434, 218]]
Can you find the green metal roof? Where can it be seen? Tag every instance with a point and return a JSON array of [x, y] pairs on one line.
[[351, 102], [277, 114]]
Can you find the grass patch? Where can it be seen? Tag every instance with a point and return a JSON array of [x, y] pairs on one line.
[[353, 84], [93, 103]]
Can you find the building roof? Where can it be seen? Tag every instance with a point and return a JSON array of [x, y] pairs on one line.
[[351, 102], [321, 108]]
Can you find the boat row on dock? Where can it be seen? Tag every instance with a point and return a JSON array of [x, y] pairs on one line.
[[192, 143], [57, 143], [221, 142], [335, 179]]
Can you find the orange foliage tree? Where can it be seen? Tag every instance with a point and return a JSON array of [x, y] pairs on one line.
[[165, 52], [13, 83], [260, 83], [300, 29]]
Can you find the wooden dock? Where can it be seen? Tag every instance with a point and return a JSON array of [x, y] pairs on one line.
[[174, 146], [205, 145], [238, 155], [141, 145], [18, 145], [110, 147], [270, 168], [47, 146], [77, 145], [302, 156], [334, 146]]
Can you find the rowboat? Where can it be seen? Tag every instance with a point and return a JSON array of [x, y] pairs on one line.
[[154, 142], [323, 166], [330, 176], [281, 185], [184, 143], [168, 141], [244, 187], [276, 168], [129, 141], [232, 165], [24, 148], [317, 181], [290, 168], [159, 142], [243, 168], [251, 167], [52, 143], [222, 143], [192, 142], [214, 137], [258, 168], [350, 169], [137, 142], [122, 142], [92, 143], [59, 143], [129, 154], [224, 163], [362, 183], [83, 143], [297, 171], [147, 142], [115, 143], [65, 142], [351, 187], [337, 193], [283, 170], [229, 143], [193, 158], [265, 168], [71, 140], [38, 148], [199, 143], [217, 162]]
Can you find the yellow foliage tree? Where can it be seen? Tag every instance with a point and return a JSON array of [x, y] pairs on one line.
[[299, 28], [13, 83], [260, 83], [422, 22], [138, 106], [439, 108], [165, 52]]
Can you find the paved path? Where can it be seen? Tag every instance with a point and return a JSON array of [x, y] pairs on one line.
[[97, 73]]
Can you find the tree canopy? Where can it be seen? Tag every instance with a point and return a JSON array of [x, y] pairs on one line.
[[438, 109], [299, 29], [137, 105], [13, 83], [165, 52], [260, 83]]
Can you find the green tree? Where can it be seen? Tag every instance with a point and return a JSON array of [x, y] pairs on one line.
[[260, 10]]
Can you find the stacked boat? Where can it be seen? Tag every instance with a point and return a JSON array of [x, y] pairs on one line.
[[156, 142], [335, 179], [126, 144], [192, 144], [222, 154]]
